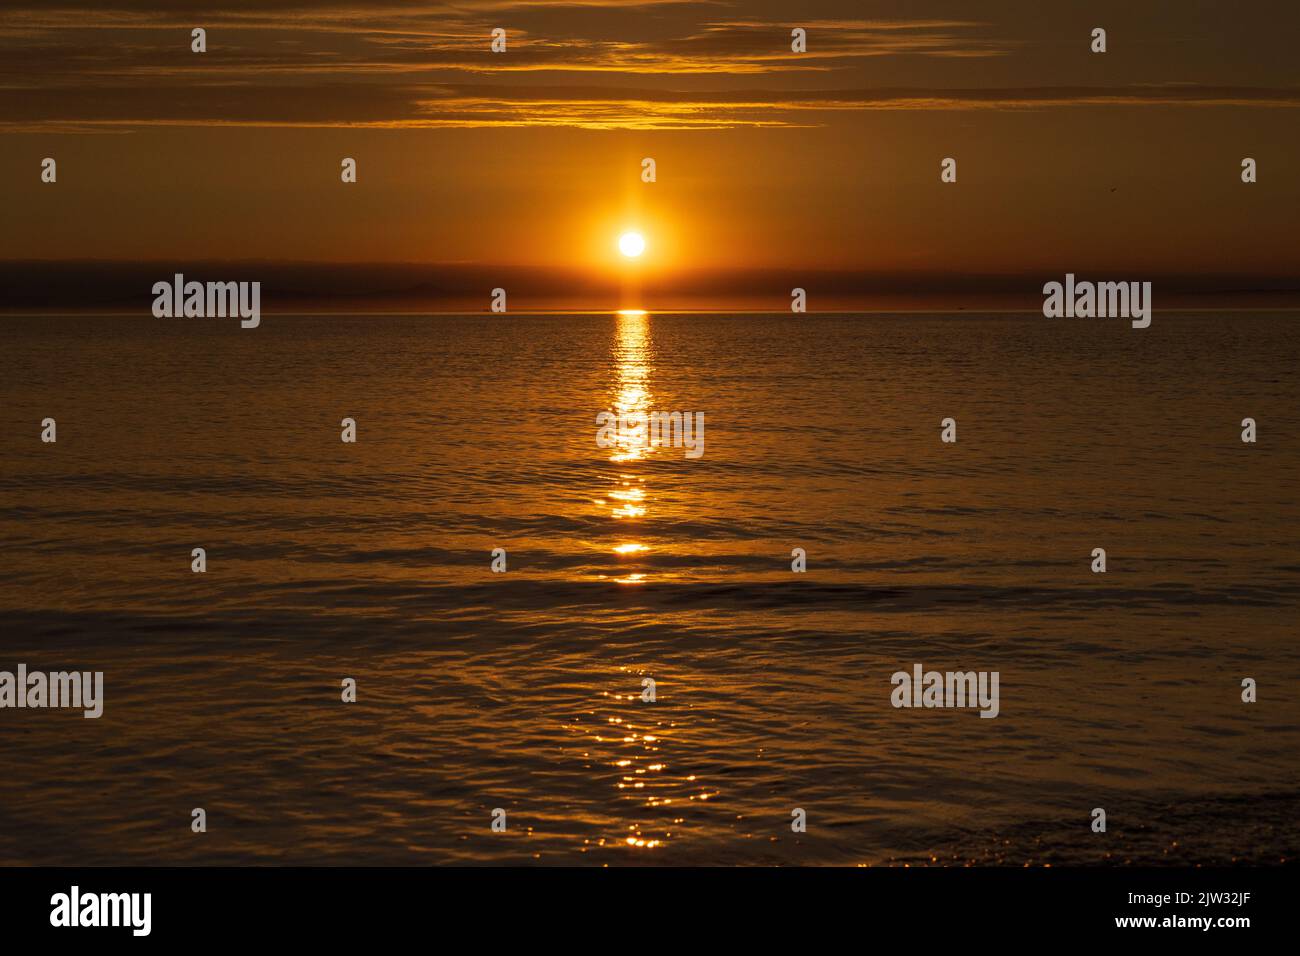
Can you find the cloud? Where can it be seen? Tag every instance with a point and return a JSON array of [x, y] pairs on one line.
[[596, 64], [126, 64], [124, 107]]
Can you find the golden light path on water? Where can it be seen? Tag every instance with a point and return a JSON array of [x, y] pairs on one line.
[[623, 734], [623, 730], [631, 398]]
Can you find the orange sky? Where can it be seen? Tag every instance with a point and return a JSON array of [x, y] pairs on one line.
[[770, 164]]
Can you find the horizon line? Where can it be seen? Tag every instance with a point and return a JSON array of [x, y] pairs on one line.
[[324, 314]]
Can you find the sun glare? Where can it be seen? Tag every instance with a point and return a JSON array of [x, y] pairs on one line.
[[631, 244]]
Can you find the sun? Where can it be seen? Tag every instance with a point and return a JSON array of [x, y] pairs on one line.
[[631, 244]]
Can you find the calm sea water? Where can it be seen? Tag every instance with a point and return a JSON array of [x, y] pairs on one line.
[[522, 690]]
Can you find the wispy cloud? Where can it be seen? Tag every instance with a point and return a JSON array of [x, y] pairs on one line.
[[469, 105], [654, 64]]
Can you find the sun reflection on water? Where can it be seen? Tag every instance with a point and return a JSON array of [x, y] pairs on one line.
[[631, 498], [632, 366], [627, 499], [626, 736]]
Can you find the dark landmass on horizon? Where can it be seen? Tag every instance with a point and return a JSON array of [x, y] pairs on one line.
[[119, 286]]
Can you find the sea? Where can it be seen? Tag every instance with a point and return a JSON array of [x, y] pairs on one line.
[[647, 681]]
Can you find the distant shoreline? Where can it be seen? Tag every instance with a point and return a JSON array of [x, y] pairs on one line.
[[143, 313]]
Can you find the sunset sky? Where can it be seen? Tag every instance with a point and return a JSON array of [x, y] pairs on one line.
[[521, 169]]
